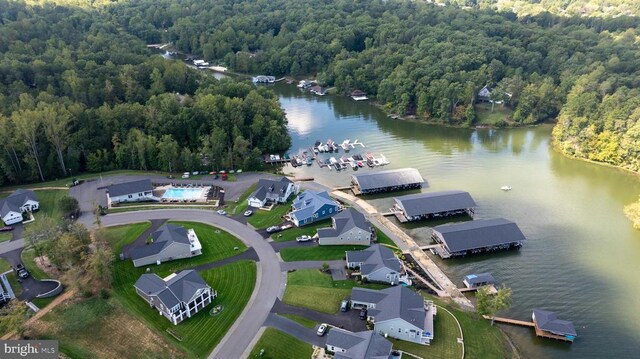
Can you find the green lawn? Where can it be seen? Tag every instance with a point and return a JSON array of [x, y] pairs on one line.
[[317, 253], [5, 236], [263, 218], [279, 345], [15, 285], [49, 199], [233, 282], [241, 204], [42, 302], [384, 239], [305, 286], [4, 266], [500, 115], [308, 323], [481, 340], [292, 233], [29, 260], [119, 236]]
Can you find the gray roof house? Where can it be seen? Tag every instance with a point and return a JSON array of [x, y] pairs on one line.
[[348, 227], [433, 205], [20, 201], [397, 312], [312, 206], [378, 264], [176, 297], [134, 191], [548, 321], [170, 242], [271, 191], [384, 181], [359, 345], [477, 236]]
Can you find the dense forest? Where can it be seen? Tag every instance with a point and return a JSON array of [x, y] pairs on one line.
[[591, 8], [425, 60], [77, 93]]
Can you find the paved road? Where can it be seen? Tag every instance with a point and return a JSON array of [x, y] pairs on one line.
[[267, 287], [307, 335], [349, 320]]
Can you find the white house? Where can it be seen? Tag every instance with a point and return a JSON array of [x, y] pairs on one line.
[[271, 191], [135, 191], [19, 202]]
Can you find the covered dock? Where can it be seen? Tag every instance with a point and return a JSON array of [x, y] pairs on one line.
[[386, 181], [414, 207], [478, 280], [460, 239]]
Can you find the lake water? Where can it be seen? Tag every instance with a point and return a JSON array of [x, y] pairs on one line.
[[582, 257]]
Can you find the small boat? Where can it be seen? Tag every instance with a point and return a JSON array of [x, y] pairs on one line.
[[360, 164], [506, 188], [309, 161]]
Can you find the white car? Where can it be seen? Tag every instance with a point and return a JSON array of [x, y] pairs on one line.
[[222, 212], [273, 229], [322, 329], [185, 175], [248, 213], [304, 238]]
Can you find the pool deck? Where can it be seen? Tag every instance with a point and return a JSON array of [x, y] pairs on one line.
[[165, 193]]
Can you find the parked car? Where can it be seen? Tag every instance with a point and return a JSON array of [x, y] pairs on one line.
[[21, 271], [248, 213], [322, 329], [344, 306], [286, 226], [363, 313], [6, 229], [222, 212], [273, 229], [303, 238], [195, 173], [185, 175], [18, 267]]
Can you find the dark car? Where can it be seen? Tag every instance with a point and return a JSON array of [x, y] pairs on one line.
[[6, 229], [363, 313], [21, 271]]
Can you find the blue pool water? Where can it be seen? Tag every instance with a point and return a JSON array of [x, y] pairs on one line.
[[183, 193]]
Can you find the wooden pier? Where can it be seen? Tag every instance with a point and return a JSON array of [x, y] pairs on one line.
[[539, 333], [492, 289]]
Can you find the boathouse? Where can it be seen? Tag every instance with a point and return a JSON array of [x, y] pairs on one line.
[[386, 181], [318, 90], [548, 325], [414, 207], [358, 95], [478, 236], [478, 280]]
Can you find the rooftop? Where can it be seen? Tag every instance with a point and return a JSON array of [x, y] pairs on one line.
[[267, 188], [389, 178], [162, 238], [548, 321], [479, 278], [179, 288], [307, 203], [394, 302], [359, 345], [434, 202], [345, 221], [479, 234], [121, 189], [14, 201], [374, 258]]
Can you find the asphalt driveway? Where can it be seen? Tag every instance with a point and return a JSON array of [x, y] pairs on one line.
[[307, 335], [349, 320], [31, 287]]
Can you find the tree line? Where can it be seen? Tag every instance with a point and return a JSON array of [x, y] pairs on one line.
[[78, 93]]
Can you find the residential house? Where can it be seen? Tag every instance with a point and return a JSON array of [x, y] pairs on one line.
[[134, 191], [397, 312], [548, 322], [178, 296], [311, 207], [484, 95], [348, 227], [378, 264], [271, 191], [169, 242], [359, 345], [17, 203]]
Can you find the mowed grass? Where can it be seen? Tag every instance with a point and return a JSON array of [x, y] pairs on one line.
[[292, 233], [481, 340], [42, 302], [200, 334], [263, 218], [313, 289], [308, 323], [500, 115], [317, 253], [279, 345], [384, 239], [241, 204], [443, 346], [5, 236], [28, 257], [49, 199], [4, 266], [119, 236]]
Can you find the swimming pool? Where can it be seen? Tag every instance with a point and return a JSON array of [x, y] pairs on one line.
[[184, 193]]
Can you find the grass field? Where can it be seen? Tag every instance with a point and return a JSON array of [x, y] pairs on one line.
[[481, 340], [241, 204], [15, 285], [234, 284], [291, 234], [28, 257], [384, 239], [500, 115], [316, 253], [4, 266], [49, 199], [5, 236], [42, 302], [279, 345], [308, 323], [119, 236], [305, 286], [263, 219]]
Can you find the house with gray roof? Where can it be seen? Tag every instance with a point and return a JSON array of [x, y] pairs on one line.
[[378, 264], [348, 227], [414, 207], [134, 191], [548, 322], [478, 280], [359, 345], [397, 312], [169, 242], [17, 203], [271, 191], [460, 239], [386, 181], [312, 206], [178, 296]]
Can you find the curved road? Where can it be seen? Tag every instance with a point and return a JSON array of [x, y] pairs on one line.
[[246, 327]]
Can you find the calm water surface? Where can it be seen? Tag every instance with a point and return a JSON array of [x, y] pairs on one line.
[[582, 257]]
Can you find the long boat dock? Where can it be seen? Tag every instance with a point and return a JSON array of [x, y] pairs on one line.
[[539, 333], [492, 289]]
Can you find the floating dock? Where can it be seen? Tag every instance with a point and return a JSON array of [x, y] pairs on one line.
[[539, 333]]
